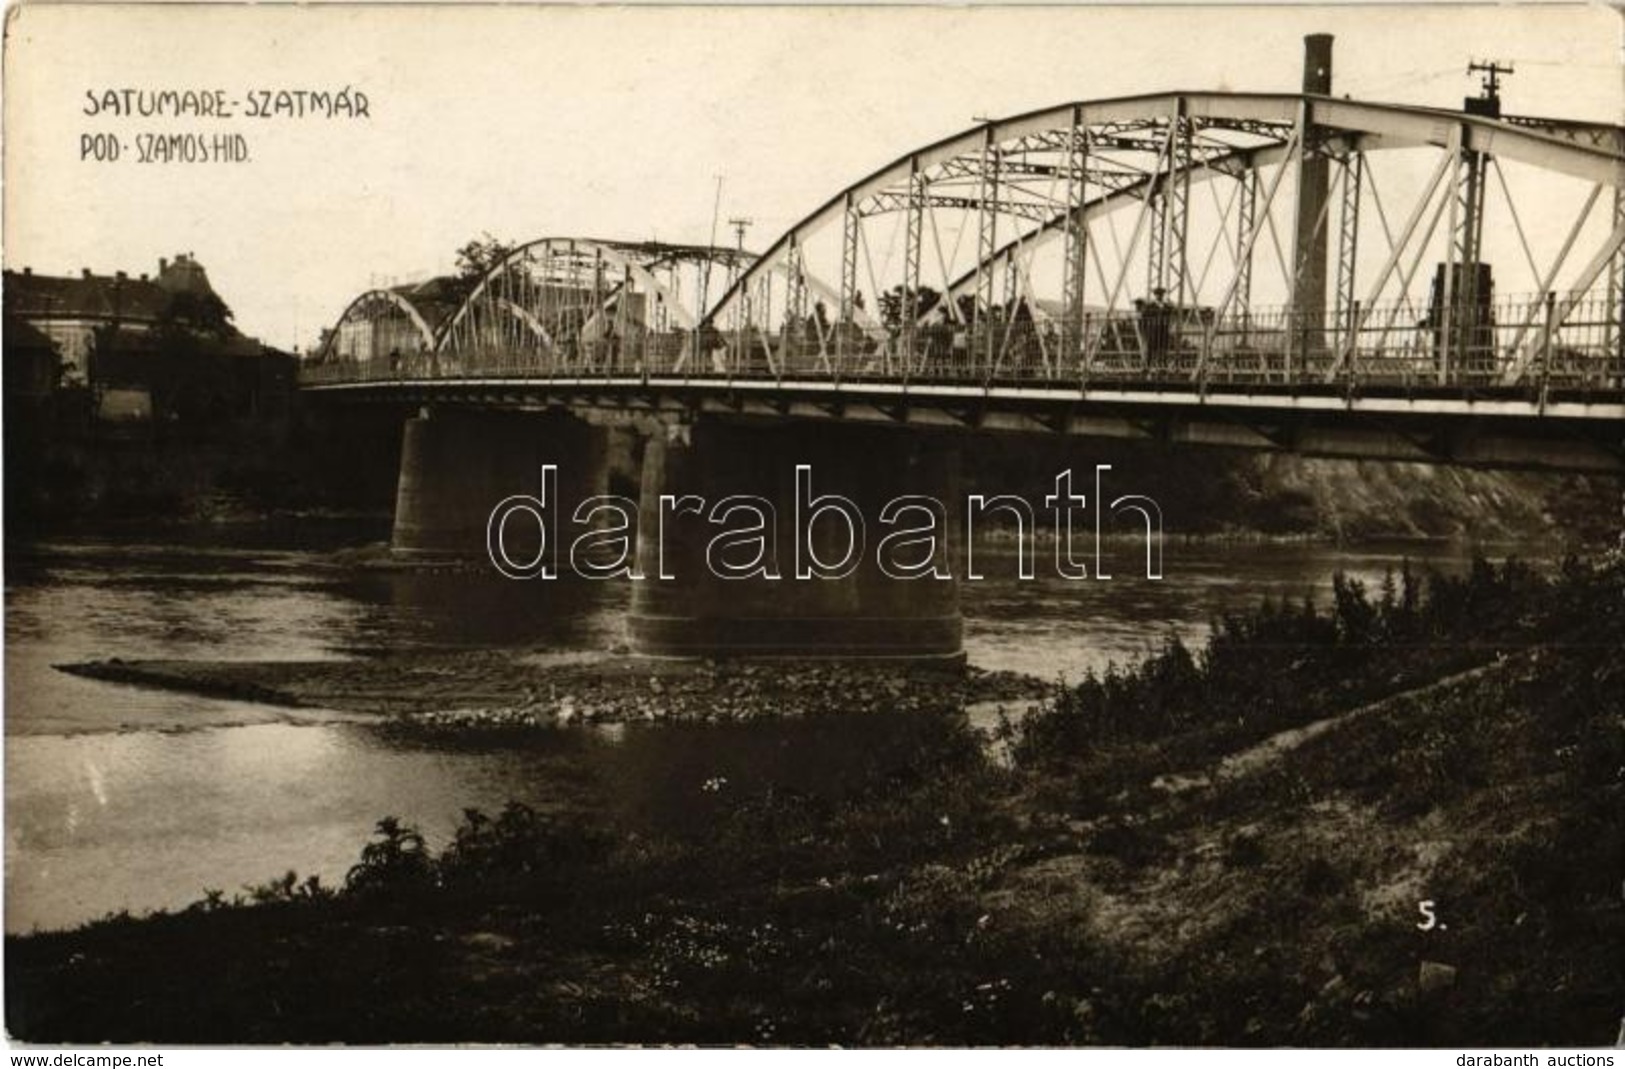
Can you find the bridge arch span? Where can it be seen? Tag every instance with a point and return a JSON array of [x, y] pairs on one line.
[[587, 304], [1270, 234], [376, 324]]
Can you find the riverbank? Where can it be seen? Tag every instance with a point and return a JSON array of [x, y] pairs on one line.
[[1228, 846], [255, 474]]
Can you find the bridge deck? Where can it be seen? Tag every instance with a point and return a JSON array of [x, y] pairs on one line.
[[1514, 427]]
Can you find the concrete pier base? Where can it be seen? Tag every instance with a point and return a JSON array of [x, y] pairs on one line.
[[867, 613], [456, 466]]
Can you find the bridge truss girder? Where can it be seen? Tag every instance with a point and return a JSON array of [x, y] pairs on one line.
[[376, 325], [1010, 190]]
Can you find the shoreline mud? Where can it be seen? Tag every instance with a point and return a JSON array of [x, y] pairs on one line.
[[472, 692]]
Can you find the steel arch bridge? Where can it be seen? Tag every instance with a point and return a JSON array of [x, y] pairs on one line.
[[378, 323], [1221, 238], [552, 305], [1259, 257]]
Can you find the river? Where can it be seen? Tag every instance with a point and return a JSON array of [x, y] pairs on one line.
[[120, 798]]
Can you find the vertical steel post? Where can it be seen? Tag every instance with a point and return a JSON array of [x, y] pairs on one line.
[[746, 320], [1156, 256], [764, 310], [1178, 189], [1447, 311], [1077, 237], [1547, 332], [1613, 348], [1468, 238], [617, 351], [1012, 299], [1353, 341], [913, 229], [1348, 244], [987, 218], [849, 278], [795, 303], [1246, 209], [597, 311]]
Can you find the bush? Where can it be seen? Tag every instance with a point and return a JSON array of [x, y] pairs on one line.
[[289, 888], [519, 846], [1283, 666], [395, 861]]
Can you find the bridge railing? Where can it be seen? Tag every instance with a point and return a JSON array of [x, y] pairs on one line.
[[1535, 341]]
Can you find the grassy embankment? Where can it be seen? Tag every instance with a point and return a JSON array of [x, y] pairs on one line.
[[1228, 846]]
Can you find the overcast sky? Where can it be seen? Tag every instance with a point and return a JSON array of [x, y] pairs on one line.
[[615, 122]]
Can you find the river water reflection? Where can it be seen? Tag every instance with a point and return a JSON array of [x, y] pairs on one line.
[[124, 798]]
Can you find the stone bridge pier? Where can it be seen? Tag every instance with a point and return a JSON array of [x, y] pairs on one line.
[[764, 539], [809, 582], [457, 464]]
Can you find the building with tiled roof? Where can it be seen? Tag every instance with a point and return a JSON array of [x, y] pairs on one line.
[[71, 310], [158, 350]]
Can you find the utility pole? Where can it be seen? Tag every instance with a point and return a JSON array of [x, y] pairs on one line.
[[1488, 102]]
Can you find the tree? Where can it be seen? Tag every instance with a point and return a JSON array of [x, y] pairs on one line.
[[478, 258], [200, 312], [894, 300]]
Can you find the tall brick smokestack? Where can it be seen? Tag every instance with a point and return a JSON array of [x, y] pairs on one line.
[[1314, 180], [1317, 64]]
